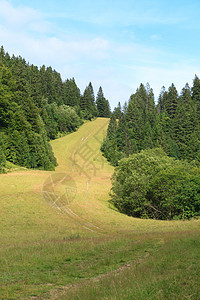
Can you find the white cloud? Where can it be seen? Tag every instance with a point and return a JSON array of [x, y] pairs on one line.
[[22, 18], [117, 66], [18, 28]]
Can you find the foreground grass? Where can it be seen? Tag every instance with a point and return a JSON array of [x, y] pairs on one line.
[[47, 251], [43, 268], [170, 272]]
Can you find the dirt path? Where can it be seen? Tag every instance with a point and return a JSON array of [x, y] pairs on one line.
[[65, 291]]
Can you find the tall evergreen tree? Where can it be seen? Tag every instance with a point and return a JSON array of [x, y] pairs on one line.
[[87, 103], [172, 101], [162, 99], [100, 102], [107, 112], [103, 106], [91, 90], [185, 127], [117, 111], [196, 93], [71, 93]]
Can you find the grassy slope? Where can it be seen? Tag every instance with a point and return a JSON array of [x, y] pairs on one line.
[[52, 236]]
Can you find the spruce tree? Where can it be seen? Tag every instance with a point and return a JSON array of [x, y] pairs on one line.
[[185, 127], [100, 102], [71, 93], [107, 112], [196, 93], [87, 103], [172, 101], [117, 111]]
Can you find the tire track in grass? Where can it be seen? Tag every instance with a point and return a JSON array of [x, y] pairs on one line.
[[63, 291], [86, 155], [55, 203]]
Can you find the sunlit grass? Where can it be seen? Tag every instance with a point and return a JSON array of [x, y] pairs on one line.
[[169, 272], [45, 248]]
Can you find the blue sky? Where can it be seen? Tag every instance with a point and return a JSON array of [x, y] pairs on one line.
[[114, 44]]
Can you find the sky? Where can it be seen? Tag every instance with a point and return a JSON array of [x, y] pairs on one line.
[[115, 44]]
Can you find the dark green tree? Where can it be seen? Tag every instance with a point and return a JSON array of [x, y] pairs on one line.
[[71, 93], [103, 106], [87, 103], [162, 99], [117, 111], [172, 101]]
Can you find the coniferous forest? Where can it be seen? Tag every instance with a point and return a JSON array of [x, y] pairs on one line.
[[173, 124], [156, 149], [37, 106]]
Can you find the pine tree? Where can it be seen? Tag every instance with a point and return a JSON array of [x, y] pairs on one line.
[[87, 103], [117, 111], [92, 97], [100, 102], [103, 106], [196, 93], [162, 101], [172, 101], [91, 90], [112, 128], [109, 147], [71, 93], [184, 127], [107, 112]]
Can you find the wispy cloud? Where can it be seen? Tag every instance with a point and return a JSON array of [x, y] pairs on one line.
[[119, 59], [123, 13], [22, 18], [122, 18], [16, 31]]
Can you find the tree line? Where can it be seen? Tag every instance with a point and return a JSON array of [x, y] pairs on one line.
[[36, 106], [173, 124], [156, 151]]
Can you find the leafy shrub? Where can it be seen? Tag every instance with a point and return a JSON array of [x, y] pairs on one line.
[[68, 120], [152, 185], [2, 161]]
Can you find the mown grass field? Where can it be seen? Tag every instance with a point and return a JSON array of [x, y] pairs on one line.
[[60, 239]]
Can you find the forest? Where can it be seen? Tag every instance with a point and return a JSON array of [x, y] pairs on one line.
[[173, 124], [154, 147], [156, 151], [36, 106]]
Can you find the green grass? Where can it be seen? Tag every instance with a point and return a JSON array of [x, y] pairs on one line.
[[50, 265], [169, 272], [71, 251]]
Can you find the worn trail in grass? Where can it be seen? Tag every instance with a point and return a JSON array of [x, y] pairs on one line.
[[57, 228]]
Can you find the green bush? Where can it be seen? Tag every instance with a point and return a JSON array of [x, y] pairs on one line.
[[68, 120], [152, 185], [2, 161], [176, 192]]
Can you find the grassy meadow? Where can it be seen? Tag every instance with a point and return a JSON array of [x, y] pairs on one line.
[[61, 239]]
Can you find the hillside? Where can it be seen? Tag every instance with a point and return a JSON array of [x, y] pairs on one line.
[[37, 106], [58, 231]]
